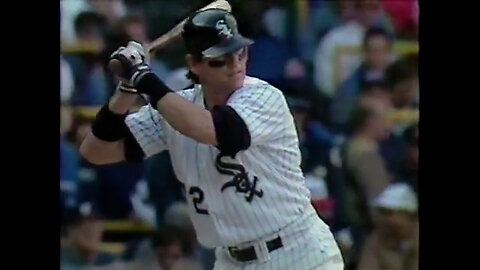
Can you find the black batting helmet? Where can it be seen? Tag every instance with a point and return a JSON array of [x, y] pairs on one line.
[[212, 33]]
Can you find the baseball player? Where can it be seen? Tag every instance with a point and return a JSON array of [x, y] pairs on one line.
[[233, 145]]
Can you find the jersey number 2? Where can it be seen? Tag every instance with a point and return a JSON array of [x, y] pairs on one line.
[[197, 198]]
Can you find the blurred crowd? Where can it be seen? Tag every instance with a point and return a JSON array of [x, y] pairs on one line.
[[349, 71]]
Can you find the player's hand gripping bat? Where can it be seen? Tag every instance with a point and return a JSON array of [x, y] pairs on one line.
[[172, 36]]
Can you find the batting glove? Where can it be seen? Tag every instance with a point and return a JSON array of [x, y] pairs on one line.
[[134, 63]]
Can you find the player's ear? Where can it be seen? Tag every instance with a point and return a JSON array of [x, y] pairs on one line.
[[192, 63]]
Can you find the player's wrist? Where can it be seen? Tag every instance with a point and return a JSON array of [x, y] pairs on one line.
[[151, 85], [108, 125], [122, 101], [126, 88]]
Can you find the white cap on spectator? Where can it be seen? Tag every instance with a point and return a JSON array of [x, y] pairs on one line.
[[398, 196]]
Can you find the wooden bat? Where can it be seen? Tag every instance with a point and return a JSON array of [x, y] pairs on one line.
[[172, 36]]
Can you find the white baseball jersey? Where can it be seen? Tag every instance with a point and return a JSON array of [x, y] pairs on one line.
[[235, 200]]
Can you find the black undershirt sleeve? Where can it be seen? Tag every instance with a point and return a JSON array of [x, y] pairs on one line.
[[230, 129], [133, 151]]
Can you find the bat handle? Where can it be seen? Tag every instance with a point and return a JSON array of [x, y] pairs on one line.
[[115, 66]]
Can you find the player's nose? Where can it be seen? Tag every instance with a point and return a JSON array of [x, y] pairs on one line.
[[233, 62]]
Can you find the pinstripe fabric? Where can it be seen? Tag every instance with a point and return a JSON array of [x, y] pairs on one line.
[[229, 212], [308, 245], [147, 128]]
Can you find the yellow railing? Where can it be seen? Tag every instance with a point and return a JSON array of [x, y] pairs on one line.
[[128, 226], [400, 48]]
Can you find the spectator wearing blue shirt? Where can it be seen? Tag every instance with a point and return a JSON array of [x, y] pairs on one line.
[[91, 87], [377, 48], [271, 52], [108, 187]]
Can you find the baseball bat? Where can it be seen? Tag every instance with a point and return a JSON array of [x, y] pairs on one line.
[[172, 36]]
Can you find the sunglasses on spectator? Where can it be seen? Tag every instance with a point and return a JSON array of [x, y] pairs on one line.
[[222, 61]]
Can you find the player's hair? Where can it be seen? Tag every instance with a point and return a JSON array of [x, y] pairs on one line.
[[192, 76], [376, 31]]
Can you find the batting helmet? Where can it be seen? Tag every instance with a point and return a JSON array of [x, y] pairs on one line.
[[213, 33]]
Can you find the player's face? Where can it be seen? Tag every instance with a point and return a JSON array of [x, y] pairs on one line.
[[226, 72]]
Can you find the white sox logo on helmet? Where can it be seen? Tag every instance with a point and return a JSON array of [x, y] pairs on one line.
[[223, 28]]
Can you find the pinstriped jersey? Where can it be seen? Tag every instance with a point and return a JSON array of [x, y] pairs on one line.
[[236, 199]]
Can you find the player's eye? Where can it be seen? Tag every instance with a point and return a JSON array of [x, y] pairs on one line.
[[216, 63]]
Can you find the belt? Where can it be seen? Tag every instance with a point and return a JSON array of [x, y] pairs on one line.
[[249, 254]]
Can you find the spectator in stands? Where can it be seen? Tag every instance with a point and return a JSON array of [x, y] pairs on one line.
[[270, 53], [100, 184], [186, 264], [367, 174], [314, 138], [91, 86], [330, 15], [69, 162], [67, 84], [69, 9], [363, 156], [320, 197], [402, 86], [143, 208], [377, 50], [177, 217], [89, 28], [350, 34], [402, 79], [410, 174], [164, 187], [162, 252], [168, 248], [84, 236], [134, 27], [327, 15], [86, 174], [394, 242], [112, 10]]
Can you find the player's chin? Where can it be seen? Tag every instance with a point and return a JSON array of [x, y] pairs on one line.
[[237, 80]]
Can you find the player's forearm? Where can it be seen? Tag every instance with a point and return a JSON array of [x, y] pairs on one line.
[[189, 119], [98, 151], [101, 152]]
